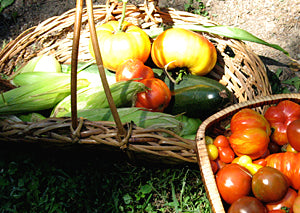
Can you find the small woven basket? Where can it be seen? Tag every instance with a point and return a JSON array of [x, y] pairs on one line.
[[238, 68], [213, 126]]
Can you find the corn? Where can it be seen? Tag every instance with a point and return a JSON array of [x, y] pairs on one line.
[[27, 78], [141, 118], [42, 94], [123, 93]]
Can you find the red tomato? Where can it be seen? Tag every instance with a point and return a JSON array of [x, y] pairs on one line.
[[260, 161], [252, 142], [288, 164], [214, 166], [287, 201], [226, 154], [156, 98], [133, 69], [221, 141], [293, 134], [247, 204], [233, 182], [296, 205], [269, 184], [178, 47], [280, 117], [117, 46], [248, 118]]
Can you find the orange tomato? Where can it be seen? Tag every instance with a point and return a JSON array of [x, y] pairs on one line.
[[177, 47], [118, 46]]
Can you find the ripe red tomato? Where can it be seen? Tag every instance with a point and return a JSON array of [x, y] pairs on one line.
[[269, 184], [293, 134], [117, 46], [177, 47], [280, 117], [248, 118], [252, 142], [233, 182], [287, 201], [247, 204], [156, 98], [133, 69], [225, 152]]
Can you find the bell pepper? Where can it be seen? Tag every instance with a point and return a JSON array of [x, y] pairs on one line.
[[280, 117]]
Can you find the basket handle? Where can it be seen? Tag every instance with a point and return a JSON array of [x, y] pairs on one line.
[[99, 62]]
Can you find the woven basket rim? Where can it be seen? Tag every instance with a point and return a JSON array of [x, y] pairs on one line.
[[202, 155]]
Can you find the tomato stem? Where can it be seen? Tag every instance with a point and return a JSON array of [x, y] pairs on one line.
[[123, 15]]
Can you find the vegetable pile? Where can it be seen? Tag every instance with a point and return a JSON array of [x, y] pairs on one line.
[[256, 161], [155, 82]]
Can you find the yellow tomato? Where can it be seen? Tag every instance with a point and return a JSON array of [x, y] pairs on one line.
[[177, 47], [118, 46], [212, 151]]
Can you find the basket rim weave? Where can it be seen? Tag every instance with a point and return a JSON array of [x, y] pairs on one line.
[[202, 155]]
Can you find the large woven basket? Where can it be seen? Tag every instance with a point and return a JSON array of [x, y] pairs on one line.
[[238, 68], [213, 126]]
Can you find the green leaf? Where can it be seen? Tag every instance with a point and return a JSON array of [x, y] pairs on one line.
[[5, 3], [231, 32], [294, 82]]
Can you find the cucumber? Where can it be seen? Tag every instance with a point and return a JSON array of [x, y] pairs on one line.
[[196, 96]]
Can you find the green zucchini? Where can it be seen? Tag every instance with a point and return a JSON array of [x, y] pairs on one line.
[[196, 96]]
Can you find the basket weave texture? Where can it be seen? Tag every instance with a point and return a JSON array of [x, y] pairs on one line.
[[238, 68], [213, 126]]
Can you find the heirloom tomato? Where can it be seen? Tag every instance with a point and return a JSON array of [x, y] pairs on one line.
[[288, 164], [116, 45], [233, 182], [133, 69], [248, 118], [157, 96], [286, 202], [280, 117], [247, 204], [269, 184], [293, 134], [177, 47], [252, 142]]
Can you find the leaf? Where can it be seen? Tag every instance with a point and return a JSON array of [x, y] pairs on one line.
[[5, 3], [231, 32]]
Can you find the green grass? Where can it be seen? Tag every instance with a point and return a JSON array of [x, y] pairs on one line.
[[35, 179]]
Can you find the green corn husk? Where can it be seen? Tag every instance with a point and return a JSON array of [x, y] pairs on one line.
[[123, 93], [28, 78], [141, 118], [40, 95]]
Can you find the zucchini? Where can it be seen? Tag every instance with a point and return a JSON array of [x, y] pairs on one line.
[[196, 96]]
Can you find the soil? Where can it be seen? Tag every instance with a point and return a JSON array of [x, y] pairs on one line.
[[275, 21]]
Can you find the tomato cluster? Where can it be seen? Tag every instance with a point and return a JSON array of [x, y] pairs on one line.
[[125, 48], [261, 170]]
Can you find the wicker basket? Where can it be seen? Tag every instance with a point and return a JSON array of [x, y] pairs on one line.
[[213, 126], [238, 68]]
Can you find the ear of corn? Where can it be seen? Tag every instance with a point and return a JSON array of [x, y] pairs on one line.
[[123, 93], [28, 78], [40, 95], [141, 118]]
